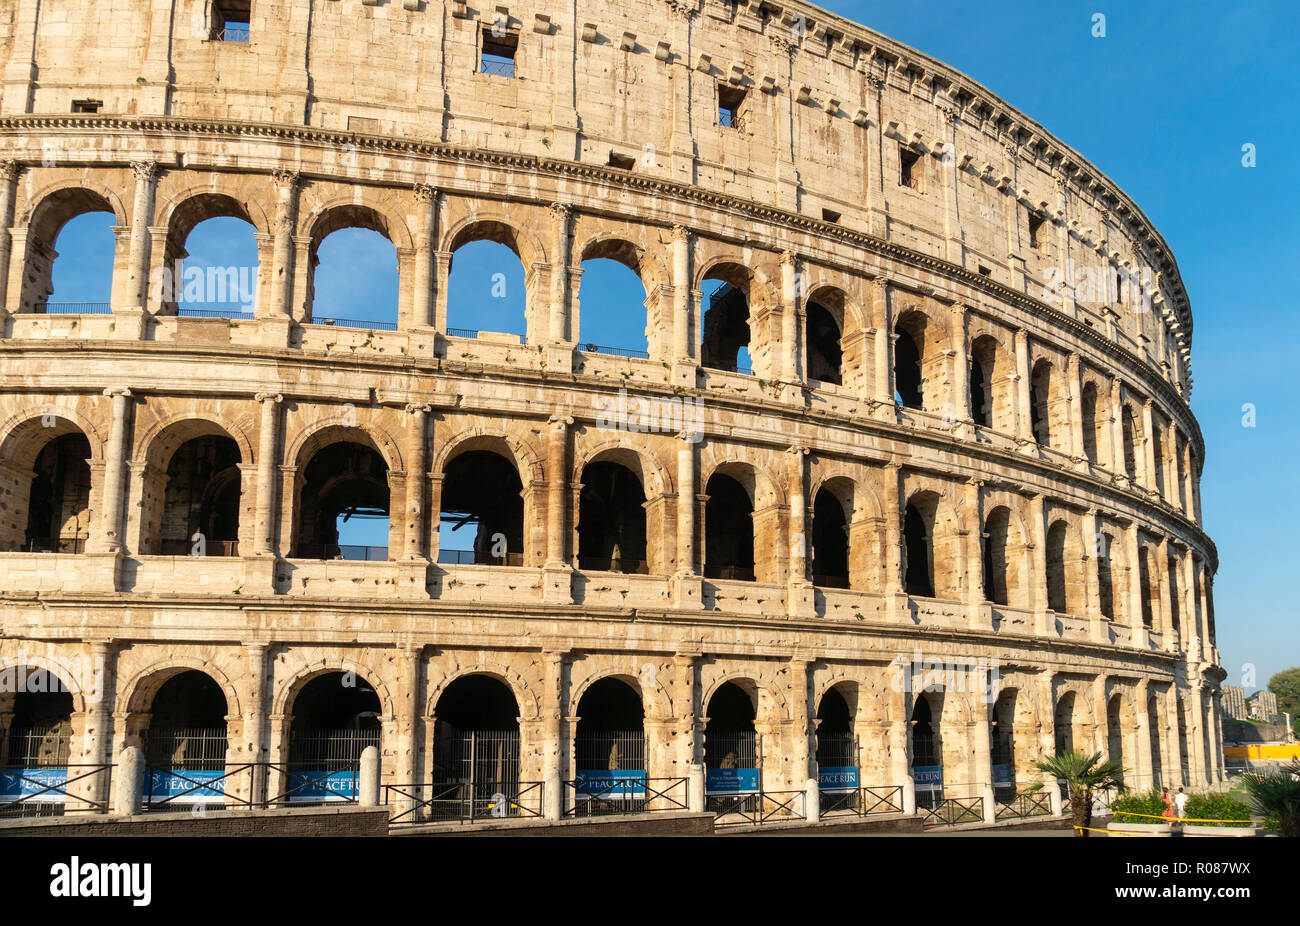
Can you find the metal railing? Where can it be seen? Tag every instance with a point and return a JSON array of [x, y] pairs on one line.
[[454, 802], [212, 548], [47, 745], [45, 792], [763, 807], [235, 34], [1025, 804], [615, 351], [585, 798], [604, 564], [328, 551], [361, 323], [949, 811], [500, 67], [190, 312], [733, 573], [470, 558], [731, 119], [469, 333], [831, 581], [73, 308], [56, 545], [864, 801]]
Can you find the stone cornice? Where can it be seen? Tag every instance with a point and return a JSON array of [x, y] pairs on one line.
[[657, 186]]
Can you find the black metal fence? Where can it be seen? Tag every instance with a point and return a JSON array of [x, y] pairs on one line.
[[1024, 804], [949, 811]]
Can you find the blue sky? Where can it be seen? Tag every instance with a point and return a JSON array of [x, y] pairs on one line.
[[1163, 105]]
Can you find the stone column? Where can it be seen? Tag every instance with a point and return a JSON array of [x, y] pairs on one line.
[[426, 212], [880, 318], [683, 351], [981, 615], [1132, 554], [282, 270], [1148, 449], [557, 569], [441, 273], [1024, 420], [962, 412], [97, 735], [560, 303], [114, 471], [416, 480], [1195, 724], [896, 606], [801, 599], [1189, 483], [1166, 620], [554, 746], [791, 310], [1117, 430], [983, 745], [688, 729], [9, 171], [267, 464], [256, 664], [802, 761], [900, 716], [1093, 553], [687, 586], [1077, 443], [1041, 601], [1145, 770], [408, 710], [136, 290]]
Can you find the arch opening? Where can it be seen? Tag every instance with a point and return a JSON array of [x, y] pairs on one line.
[[927, 748], [58, 498], [611, 520], [476, 745], [481, 490], [354, 274], [1002, 743], [185, 740], [71, 249], [830, 541], [609, 290], [823, 330], [487, 285], [201, 499], [610, 748], [728, 530], [344, 504], [726, 326], [211, 263], [732, 754]]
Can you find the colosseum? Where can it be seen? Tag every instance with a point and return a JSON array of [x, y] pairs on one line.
[[900, 496]]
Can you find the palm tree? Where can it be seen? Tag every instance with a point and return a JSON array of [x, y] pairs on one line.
[[1082, 775], [1276, 796]]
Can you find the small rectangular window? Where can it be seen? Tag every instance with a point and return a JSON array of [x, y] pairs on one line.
[[985, 271], [498, 54], [230, 20], [621, 161], [86, 106], [829, 215], [731, 101], [909, 168], [1036, 231]]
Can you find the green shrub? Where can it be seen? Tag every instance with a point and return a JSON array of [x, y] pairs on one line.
[[1137, 802], [1216, 807]]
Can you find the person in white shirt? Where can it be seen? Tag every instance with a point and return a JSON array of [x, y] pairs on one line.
[[1180, 802]]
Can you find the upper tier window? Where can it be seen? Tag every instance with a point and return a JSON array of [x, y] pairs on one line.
[[731, 101], [498, 53], [909, 168], [230, 20]]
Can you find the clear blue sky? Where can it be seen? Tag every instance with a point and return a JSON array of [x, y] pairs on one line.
[[1162, 104]]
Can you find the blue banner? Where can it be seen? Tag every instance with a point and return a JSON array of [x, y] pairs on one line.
[[187, 787], [18, 783], [620, 785], [928, 777], [1002, 776], [322, 786], [833, 778], [731, 781]]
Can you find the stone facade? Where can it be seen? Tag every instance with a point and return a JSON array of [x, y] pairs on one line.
[[902, 198]]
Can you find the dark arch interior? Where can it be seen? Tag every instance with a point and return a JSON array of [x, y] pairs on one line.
[[40, 726], [1089, 412], [981, 393], [201, 496], [611, 520], [1057, 593], [916, 546], [1105, 588], [822, 336], [1064, 723], [342, 481], [907, 369], [726, 328], [335, 717], [187, 723], [481, 497], [1128, 429], [996, 528], [1039, 394], [476, 737], [925, 733], [728, 530], [1002, 742], [1145, 584], [58, 512], [610, 733], [830, 546], [729, 738], [836, 747]]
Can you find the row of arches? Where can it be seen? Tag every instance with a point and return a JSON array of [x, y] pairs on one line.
[[181, 718]]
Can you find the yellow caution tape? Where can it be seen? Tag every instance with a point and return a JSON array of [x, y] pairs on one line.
[[1111, 832], [1153, 816]]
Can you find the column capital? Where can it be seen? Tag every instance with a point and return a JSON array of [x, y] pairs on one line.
[[789, 257], [145, 170], [559, 421], [412, 408], [562, 209], [285, 180], [797, 450], [118, 391], [425, 193], [10, 169], [273, 397], [680, 233]]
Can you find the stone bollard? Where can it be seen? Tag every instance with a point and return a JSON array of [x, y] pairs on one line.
[[368, 780], [909, 795], [695, 788], [990, 808], [1054, 798], [812, 801], [129, 798], [552, 795]]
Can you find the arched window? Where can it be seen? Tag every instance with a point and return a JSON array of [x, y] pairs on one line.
[[186, 735], [344, 504], [1174, 612], [927, 748], [725, 343], [611, 520], [1158, 457], [482, 519], [1147, 586], [487, 285], [336, 716], [830, 552], [70, 254], [210, 264], [58, 507], [836, 744], [981, 393], [997, 528], [728, 530], [991, 399], [1106, 577], [200, 510], [1130, 431], [1063, 720], [37, 705], [609, 749], [1002, 745], [475, 748], [1115, 716], [908, 358], [1153, 728], [613, 309], [731, 748], [1091, 424], [918, 552], [1058, 589], [354, 280], [1040, 393], [822, 333]]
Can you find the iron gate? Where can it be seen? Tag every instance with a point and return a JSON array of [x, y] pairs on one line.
[[473, 769]]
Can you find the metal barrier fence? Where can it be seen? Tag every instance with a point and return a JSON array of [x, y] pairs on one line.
[[210, 548], [501, 67], [56, 545], [234, 35], [863, 801], [949, 811], [297, 784], [361, 323], [353, 552], [605, 564], [54, 791], [1025, 804], [194, 312], [73, 308], [456, 802], [615, 351], [586, 798], [470, 558], [763, 807]]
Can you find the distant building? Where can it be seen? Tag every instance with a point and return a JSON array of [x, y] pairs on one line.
[[1263, 705], [1234, 702]]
